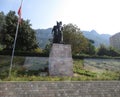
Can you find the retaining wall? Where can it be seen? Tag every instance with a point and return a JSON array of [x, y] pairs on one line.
[[60, 89]]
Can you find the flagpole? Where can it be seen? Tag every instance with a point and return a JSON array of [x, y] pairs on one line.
[[11, 65], [13, 51]]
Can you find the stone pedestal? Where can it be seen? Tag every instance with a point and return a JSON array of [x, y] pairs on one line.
[[60, 60]]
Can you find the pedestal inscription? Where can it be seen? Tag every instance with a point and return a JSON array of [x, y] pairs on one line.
[[60, 60]]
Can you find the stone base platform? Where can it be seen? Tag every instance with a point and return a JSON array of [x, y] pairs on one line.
[[60, 60]]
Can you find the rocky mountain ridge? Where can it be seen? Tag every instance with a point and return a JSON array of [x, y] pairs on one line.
[[43, 36]]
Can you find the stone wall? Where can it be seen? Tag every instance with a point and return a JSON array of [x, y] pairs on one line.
[[60, 89], [35, 63]]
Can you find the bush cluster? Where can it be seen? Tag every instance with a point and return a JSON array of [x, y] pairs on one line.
[[24, 53], [104, 51]]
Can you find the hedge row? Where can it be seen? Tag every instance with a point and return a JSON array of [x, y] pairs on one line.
[[23, 53]]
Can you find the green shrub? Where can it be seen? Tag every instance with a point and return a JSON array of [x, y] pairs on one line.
[[104, 51], [24, 53], [38, 50]]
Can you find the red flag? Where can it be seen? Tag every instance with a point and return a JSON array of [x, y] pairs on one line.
[[19, 13]]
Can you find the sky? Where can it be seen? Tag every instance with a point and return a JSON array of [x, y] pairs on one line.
[[100, 15]]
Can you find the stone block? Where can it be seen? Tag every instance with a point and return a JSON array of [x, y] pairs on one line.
[[60, 60]]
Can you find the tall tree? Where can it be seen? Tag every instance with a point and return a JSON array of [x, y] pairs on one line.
[[2, 24], [27, 35], [26, 40], [102, 50], [9, 29], [72, 35], [90, 48]]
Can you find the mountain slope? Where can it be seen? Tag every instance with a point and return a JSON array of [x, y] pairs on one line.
[[98, 38], [43, 36]]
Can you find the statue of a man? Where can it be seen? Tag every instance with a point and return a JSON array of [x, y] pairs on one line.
[[57, 33]]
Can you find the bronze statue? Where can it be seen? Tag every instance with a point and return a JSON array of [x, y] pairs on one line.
[[57, 33]]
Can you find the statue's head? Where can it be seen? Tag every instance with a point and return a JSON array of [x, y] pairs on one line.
[[60, 22]]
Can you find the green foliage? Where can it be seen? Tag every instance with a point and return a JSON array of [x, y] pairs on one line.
[[26, 40], [38, 50], [80, 45], [26, 34], [9, 28], [90, 48], [83, 74], [78, 68], [5, 64], [1, 47], [104, 76], [47, 48], [108, 75], [113, 52], [2, 25], [104, 51], [72, 35], [25, 53], [2, 22]]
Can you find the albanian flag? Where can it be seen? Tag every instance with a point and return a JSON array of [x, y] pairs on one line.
[[19, 13]]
